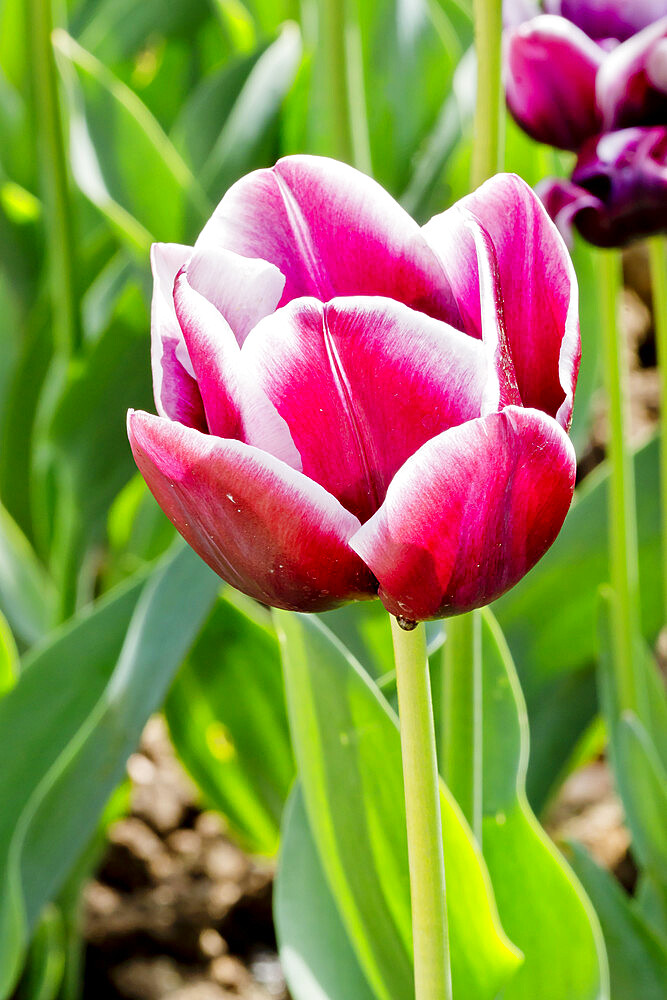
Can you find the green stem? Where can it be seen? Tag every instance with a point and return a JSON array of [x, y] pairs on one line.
[[461, 716], [347, 106], [424, 822], [657, 248], [487, 154], [623, 555], [54, 179]]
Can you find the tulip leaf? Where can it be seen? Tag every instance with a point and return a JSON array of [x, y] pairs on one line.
[[640, 773], [315, 955], [9, 657], [541, 904], [228, 722], [229, 125], [45, 967], [72, 720], [27, 594], [549, 618], [121, 158], [637, 955], [347, 747]]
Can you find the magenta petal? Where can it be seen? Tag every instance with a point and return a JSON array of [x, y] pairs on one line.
[[606, 19], [564, 201], [469, 514], [174, 385], [331, 231], [235, 406], [264, 528], [362, 383], [244, 290], [536, 281], [550, 70], [632, 82]]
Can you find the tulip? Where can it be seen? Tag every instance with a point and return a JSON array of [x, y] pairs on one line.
[[618, 190], [349, 405], [570, 77]]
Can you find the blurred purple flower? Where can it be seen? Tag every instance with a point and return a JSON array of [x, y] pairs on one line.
[[351, 405], [586, 67], [618, 190]]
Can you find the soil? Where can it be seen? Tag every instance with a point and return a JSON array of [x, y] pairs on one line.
[[178, 912]]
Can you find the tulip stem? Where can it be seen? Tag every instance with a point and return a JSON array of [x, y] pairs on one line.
[[487, 153], [657, 248], [423, 816], [340, 36], [461, 716], [53, 178], [623, 554]]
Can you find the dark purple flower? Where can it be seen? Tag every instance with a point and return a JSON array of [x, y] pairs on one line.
[[618, 190], [585, 68]]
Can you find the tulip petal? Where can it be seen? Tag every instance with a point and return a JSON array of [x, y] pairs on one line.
[[469, 514], [362, 383], [267, 530], [608, 19], [244, 290], [331, 231], [632, 83], [174, 385], [550, 70], [564, 201], [536, 285], [235, 406]]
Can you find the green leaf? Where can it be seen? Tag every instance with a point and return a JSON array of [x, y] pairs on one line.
[[228, 126], [541, 905], [637, 956], [315, 955], [121, 158], [347, 746], [227, 718], [641, 777], [555, 652], [9, 658], [72, 720], [45, 967], [27, 594]]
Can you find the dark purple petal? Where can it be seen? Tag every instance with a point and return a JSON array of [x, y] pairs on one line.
[[631, 87], [606, 19], [362, 383], [626, 174], [267, 530], [469, 514], [174, 385], [563, 200], [550, 70], [331, 231], [536, 291]]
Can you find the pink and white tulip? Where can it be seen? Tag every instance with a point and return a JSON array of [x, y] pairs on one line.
[[351, 405]]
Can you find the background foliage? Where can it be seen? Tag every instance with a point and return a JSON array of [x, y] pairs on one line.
[[125, 125]]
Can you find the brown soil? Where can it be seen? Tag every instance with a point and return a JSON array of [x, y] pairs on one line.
[[177, 912]]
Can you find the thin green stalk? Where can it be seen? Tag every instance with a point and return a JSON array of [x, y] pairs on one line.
[[344, 71], [487, 154], [461, 716], [424, 821], [657, 248], [61, 254], [623, 555]]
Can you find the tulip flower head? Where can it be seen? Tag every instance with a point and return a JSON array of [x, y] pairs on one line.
[[351, 406], [585, 67], [618, 190]]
